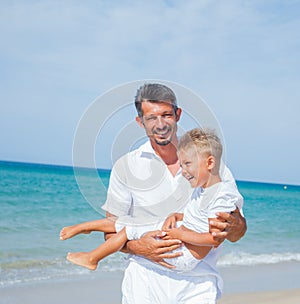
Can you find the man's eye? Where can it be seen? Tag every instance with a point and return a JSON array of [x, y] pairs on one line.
[[151, 118]]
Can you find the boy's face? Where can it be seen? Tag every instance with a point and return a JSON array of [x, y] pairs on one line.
[[194, 167]]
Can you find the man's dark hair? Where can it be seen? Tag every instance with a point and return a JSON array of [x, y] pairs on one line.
[[154, 92]]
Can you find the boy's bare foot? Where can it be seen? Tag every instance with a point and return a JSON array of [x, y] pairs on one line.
[[70, 231], [82, 259]]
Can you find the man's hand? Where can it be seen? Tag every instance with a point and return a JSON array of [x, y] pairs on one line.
[[231, 226], [153, 248]]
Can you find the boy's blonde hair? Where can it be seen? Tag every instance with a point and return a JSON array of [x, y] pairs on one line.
[[205, 141]]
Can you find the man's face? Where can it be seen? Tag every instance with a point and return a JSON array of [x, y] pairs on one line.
[[194, 167], [160, 121]]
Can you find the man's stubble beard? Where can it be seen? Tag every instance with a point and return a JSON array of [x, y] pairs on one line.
[[163, 143]]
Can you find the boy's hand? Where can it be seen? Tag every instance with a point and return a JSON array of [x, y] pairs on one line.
[[170, 222], [175, 233]]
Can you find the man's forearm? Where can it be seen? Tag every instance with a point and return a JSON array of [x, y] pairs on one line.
[[131, 247]]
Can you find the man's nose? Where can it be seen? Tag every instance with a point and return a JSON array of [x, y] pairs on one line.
[[160, 122]]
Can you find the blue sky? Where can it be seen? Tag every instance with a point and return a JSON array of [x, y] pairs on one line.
[[241, 57]]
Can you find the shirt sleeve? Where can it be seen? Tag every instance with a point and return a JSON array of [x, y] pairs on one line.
[[228, 178], [226, 202], [119, 197], [221, 205]]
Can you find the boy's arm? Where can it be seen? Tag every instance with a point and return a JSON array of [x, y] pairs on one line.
[[198, 243], [192, 237], [171, 220]]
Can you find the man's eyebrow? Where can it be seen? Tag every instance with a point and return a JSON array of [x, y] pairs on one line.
[[163, 113]]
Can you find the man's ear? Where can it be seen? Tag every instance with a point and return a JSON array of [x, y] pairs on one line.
[[139, 120], [178, 114]]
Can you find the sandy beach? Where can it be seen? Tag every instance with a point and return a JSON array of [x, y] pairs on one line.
[[262, 284], [278, 283], [291, 296]]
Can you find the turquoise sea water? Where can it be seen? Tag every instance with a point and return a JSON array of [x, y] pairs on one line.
[[36, 201]]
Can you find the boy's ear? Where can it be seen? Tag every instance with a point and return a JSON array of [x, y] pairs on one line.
[[211, 162], [139, 120]]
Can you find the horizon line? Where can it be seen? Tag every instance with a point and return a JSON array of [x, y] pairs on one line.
[[109, 169]]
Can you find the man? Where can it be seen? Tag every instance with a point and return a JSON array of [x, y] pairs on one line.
[[146, 185]]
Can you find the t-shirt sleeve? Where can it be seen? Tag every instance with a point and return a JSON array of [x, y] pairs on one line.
[[228, 178], [224, 203]]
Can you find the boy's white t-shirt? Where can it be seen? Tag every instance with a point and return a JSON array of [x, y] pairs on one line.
[[205, 203]]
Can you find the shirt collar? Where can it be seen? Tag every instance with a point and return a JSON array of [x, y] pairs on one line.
[[147, 151]]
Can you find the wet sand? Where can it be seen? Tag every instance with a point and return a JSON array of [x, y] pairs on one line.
[[278, 283]]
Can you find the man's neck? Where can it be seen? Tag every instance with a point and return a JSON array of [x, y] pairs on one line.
[[168, 154]]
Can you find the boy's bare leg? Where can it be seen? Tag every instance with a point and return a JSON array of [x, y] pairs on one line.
[[104, 225], [91, 259]]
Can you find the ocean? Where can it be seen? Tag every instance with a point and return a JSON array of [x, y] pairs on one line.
[[36, 201]]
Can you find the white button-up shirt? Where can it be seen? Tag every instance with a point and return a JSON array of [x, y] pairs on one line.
[[142, 187]]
